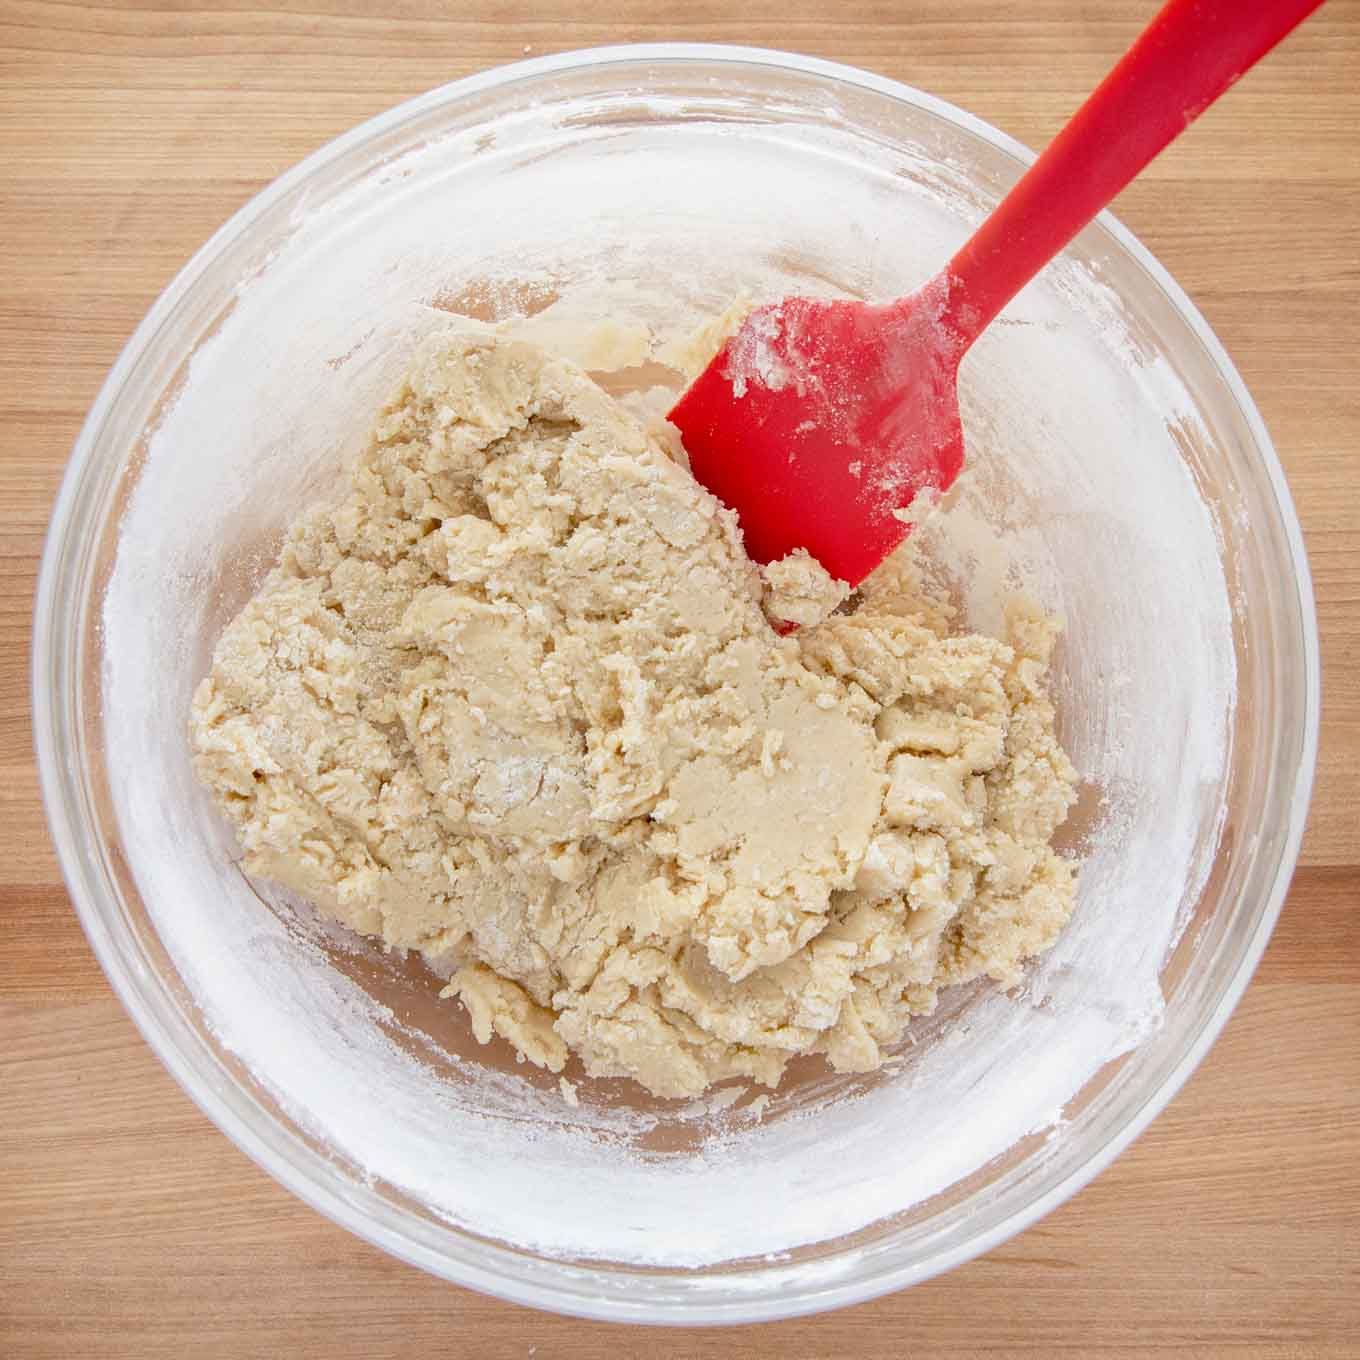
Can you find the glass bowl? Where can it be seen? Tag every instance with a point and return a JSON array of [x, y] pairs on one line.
[[1120, 473]]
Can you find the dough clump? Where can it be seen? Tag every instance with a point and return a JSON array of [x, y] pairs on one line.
[[514, 703]]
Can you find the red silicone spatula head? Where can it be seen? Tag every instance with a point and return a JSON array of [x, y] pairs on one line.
[[820, 422]]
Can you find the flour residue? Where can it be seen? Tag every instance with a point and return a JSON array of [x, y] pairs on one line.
[[755, 356]]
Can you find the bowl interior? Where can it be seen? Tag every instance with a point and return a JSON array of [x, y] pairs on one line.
[[1117, 472]]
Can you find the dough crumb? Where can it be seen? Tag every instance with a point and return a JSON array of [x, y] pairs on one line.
[[693, 353], [568, 1090], [514, 702], [799, 591]]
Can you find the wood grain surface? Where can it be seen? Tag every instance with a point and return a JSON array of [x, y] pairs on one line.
[[129, 1226]]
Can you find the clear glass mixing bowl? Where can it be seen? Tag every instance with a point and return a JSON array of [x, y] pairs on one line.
[[1121, 471]]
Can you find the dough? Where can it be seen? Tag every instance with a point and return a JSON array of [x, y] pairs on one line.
[[513, 702], [799, 591]]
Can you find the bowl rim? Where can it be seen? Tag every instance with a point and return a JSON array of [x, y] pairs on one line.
[[169, 1035]]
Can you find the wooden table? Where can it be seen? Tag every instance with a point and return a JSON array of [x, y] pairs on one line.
[[129, 1226]]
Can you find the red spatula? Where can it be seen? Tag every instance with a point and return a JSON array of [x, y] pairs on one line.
[[818, 422]]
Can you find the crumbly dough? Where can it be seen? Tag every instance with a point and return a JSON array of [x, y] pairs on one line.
[[799, 591], [514, 702]]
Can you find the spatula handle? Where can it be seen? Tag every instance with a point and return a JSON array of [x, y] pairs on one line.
[[1190, 53]]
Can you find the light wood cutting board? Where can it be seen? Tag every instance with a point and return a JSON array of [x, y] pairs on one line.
[[130, 1227]]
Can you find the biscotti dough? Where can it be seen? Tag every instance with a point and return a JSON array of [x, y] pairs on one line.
[[516, 702]]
